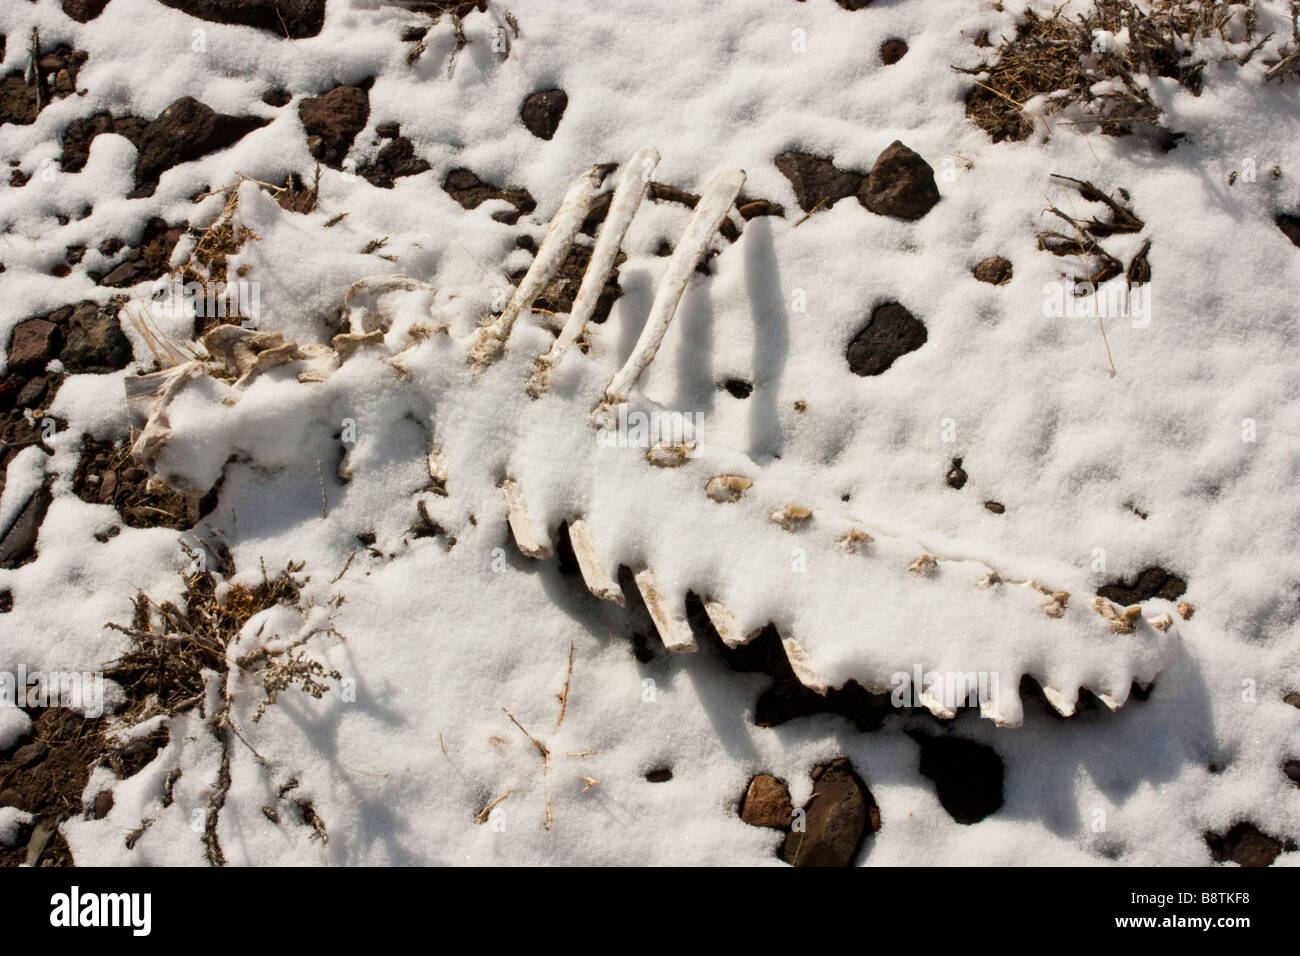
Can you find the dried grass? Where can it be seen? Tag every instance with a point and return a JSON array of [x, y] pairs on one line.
[[1053, 56]]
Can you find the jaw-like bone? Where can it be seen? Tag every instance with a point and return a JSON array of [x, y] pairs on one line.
[[627, 200], [861, 578], [490, 340], [709, 212]]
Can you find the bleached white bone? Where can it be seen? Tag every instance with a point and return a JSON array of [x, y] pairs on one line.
[[622, 208], [594, 574], [1064, 704], [520, 524], [489, 340], [724, 622], [674, 630], [703, 225]]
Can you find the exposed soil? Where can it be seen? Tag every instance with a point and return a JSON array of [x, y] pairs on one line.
[[471, 192], [1149, 583], [396, 159], [21, 102], [559, 292], [1246, 845], [147, 260], [82, 132], [106, 475], [893, 50], [995, 270]]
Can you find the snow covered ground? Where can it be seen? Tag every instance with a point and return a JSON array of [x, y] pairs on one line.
[[1184, 458]]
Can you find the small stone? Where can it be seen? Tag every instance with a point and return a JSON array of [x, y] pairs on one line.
[[659, 775], [542, 111], [33, 344], [892, 50], [901, 185], [994, 270], [995, 506], [1292, 769], [967, 775], [836, 820], [1292, 697], [276, 97], [956, 476], [767, 803], [103, 804], [30, 394], [738, 387], [29, 755], [10, 797]]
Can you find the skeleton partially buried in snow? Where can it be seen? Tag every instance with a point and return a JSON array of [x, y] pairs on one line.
[[513, 422]]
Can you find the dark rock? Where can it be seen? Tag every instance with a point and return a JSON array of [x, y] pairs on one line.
[[996, 507], [29, 396], [471, 192], [1292, 769], [659, 775], [1290, 226], [836, 820], [185, 131], [956, 476], [893, 50], [817, 180], [103, 804], [738, 387], [892, 332], [83, 11], [6, 601], [95, 341], [332, 122], [388, 130], [33, 344], [276, 97], [29, 755], [296, 18], [395, 160], [994, 270], [10, 797], [1291, 697], [901, 184], [853, 4], [111, 247], [18, 544], [1150, 583], [542, 112], [967, 775], [1246, 845], [767, 803]]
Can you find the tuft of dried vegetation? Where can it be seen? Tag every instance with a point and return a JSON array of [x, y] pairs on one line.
[[1091, 68], [177, 649]]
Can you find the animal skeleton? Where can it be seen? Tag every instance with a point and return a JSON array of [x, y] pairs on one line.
[[872, 604]]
